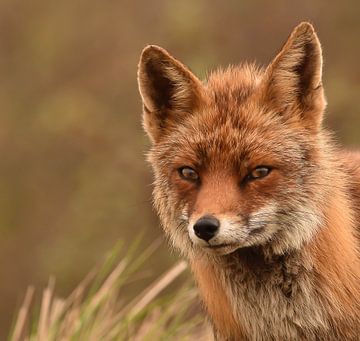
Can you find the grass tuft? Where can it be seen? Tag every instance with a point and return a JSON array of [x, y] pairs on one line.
[[100, 308]]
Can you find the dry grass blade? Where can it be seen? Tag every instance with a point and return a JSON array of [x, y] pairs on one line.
[[23, 315], [76, 296], [143, 299], [150, 293], [147, 325], [45, 310], [57, 308], [108, 284]]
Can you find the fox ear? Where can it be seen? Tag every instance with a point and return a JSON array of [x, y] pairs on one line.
[[168, 90], [293, 79]]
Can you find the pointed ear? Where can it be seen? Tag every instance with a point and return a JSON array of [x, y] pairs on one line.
[[293, 81], [168, 90]]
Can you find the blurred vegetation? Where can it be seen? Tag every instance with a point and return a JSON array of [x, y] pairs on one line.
[[100, 308], [72, 174]]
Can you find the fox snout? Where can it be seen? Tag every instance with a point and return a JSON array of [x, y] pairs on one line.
[[206, 227], [226, 231]]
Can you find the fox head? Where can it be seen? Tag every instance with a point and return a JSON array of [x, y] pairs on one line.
[[237, 159]]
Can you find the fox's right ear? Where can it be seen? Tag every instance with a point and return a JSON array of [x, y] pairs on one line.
[[168, 90]]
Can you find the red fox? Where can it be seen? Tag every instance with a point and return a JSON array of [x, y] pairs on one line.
[[255, 193]]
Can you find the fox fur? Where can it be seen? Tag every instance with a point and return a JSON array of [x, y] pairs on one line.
[[285, 262]]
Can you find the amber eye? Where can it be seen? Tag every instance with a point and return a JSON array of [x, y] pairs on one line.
[[259, 172], [188, 173]]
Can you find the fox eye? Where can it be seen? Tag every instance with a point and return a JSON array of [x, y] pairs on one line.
[[188, 174], [259, 172]]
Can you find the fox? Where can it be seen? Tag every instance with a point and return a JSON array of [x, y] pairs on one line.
[[255, 192]]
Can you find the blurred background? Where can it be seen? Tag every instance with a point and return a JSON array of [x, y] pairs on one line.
[[73, 176]]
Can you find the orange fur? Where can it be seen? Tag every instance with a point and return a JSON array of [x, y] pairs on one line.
[[336, 258], [216, 301]]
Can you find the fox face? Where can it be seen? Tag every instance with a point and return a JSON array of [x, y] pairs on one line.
[[237, 158]]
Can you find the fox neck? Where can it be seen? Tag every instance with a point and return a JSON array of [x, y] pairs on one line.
[[256, 292]]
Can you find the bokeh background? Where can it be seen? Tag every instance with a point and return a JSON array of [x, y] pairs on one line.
[[73, 176]]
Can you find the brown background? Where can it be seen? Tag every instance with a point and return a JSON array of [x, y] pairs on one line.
[[73, 178]]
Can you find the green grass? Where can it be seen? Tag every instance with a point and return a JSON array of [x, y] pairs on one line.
[[101, 307]]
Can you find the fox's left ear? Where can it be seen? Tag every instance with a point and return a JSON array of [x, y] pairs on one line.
[[168, 89], [293, 81]]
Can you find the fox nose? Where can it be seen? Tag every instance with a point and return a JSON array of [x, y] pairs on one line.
[[206, 227]]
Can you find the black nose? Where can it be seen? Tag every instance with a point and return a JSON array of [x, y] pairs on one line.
[[206, 227]]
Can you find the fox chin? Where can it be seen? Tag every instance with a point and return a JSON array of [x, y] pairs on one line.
[[252, 189]]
